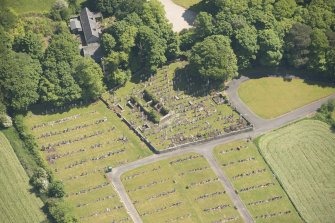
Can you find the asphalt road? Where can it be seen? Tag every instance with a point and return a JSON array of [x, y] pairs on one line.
[[261, 126]]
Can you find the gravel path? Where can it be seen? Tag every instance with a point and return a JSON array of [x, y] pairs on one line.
[[180, 17], [261, 126]]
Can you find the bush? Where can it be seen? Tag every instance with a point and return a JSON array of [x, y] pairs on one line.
[[40, 180], [152, 116], [56, 189], [5, 121], [60, 211]]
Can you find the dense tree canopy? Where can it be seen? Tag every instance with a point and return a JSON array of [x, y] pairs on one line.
[[20, 76], [214, 58]]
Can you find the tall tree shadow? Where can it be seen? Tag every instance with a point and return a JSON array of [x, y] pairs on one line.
[[191, 83]]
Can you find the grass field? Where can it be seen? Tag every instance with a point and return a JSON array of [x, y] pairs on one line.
[[79, 144], [186, 3], [18, 204], [180, 189], [271, 97], [255, 184], [193, 114], [24, 6], [302, 155]]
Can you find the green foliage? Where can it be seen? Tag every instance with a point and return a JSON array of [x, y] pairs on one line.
[[270, 53], [19, 75], [5, 120], [107, 43], [61, 211], [60, 10], [325, 113], [151, 49], [7, 17], [119, 8], [124, 34], [297, 44], [89, 77], [214, 58], [120, 77], [203, 25], [318, 50], [284, 8], [56, 189], [149, 97], [40, 180], [30, 43]]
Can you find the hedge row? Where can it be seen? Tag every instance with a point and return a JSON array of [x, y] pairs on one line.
[[148, 96]]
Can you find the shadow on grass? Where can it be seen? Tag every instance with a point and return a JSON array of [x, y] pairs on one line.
[[192, 84], [308, 77], [48, 109]]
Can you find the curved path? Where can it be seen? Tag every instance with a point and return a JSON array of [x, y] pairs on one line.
[[180, 17], [261, 126]]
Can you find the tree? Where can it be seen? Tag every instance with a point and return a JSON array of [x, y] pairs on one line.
[[40, 180], [89, 76], [5, 120], [107, 43], [318, 50], [56, 189], [203, 25], [246, 46], [30, 43], [7, 17], [19, 78], [60, 211], [284, 8], [214, 58], [270, 53], [151, 49], [59, 10], [120, 77], [124, 34], [330, 58], [297, 45]]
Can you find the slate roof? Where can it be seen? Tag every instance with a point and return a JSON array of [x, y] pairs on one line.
[[89, 25]]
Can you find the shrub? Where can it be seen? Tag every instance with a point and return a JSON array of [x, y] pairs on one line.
[[152, 116], [5, 121], [60, 211], [56, 189], [148, 96], [40, 180]]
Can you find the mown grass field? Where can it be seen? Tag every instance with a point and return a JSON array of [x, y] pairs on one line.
[[270, 97], [302, 155], [254, 183], [79, 144], [18, 203], [186, 3], [180, 189]]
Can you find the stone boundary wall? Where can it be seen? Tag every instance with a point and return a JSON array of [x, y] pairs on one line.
[[250, 127]]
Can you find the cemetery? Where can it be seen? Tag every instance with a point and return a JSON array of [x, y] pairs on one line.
[[79, 143], [179, 189], [254, 183], [170, 109]]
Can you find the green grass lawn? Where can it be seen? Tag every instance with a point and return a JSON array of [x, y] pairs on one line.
[[80, 161], [184, 191], [302, 155], [186, 3], [238, 159], [271, 97], [18, 204], [24, 6]]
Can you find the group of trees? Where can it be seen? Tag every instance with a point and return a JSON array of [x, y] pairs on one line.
[[55, 75], [140, 40], [270, 33]]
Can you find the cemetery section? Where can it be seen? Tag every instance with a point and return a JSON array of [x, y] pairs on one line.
[[79, 145], [254, 183], [172, 109], [270, 97], [302, 156], [179, 189]]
